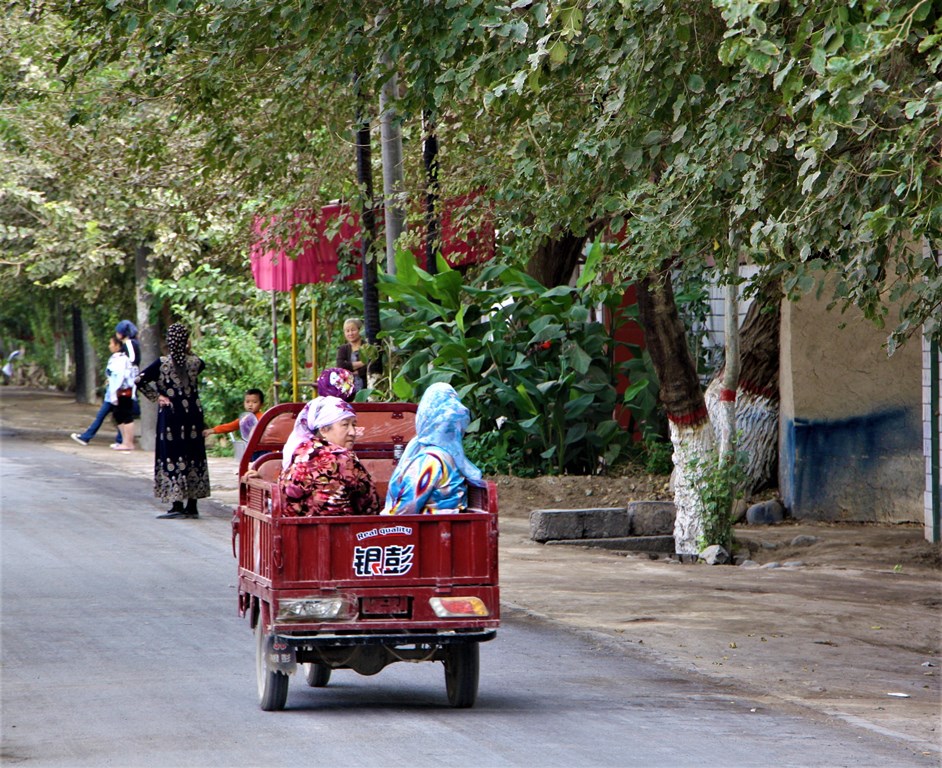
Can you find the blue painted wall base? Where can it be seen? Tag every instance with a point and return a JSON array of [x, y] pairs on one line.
[[867, 468]]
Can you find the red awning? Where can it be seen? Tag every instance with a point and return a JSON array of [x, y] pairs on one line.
[[316, 261], [322, 233]]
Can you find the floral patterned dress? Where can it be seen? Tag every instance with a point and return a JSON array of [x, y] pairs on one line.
[[181, 471], [325, 479]]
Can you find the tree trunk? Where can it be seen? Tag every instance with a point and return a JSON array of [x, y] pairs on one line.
[[149, 338], [555, 260], [757, 395], [391, 152], [690, 430], [727, 433], [85, 359]]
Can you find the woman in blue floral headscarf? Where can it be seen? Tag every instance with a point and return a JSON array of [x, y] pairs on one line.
[[432, 475]]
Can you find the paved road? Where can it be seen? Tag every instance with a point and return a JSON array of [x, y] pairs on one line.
[[121, 646]]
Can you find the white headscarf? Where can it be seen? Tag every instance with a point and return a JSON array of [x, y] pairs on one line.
[[319, 412]]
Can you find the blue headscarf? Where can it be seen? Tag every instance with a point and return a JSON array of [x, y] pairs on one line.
[[127, 329], [440, 422], [433, 474]]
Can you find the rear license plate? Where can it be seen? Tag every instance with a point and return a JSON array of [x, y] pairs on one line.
[[384, 606]]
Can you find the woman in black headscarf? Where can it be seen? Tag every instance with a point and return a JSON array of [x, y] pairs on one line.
[[181, 473]]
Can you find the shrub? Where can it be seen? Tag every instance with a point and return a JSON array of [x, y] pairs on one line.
[[533, 365], [718, 481]]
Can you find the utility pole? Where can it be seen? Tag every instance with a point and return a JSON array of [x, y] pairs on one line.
[[391, 137], [367, 220], [432, 189]]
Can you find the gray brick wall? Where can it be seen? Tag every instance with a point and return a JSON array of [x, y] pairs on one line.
[[927, 422]]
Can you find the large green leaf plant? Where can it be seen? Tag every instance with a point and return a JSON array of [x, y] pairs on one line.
[[534, 364]]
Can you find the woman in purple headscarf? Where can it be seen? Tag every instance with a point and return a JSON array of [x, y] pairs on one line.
[[333, 382], [323, 475], [336, 382], [181, 473]]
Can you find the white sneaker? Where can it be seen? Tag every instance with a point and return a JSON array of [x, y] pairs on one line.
[[79, 440]]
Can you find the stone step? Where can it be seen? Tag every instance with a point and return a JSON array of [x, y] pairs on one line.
[[638, 518], [625, 543]]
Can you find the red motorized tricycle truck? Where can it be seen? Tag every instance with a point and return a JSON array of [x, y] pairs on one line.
[[360, 592]]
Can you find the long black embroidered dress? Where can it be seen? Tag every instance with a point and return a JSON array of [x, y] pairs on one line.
[[180, 468]]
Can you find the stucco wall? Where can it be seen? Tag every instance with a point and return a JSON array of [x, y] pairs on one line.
[[850, 440]]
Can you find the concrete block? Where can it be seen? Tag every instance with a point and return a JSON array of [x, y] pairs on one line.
[[550, 524], [651, 518]]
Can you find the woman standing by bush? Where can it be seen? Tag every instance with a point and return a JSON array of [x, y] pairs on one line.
[[181, 472]]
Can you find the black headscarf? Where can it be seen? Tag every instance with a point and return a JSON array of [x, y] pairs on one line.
[[177, 339]]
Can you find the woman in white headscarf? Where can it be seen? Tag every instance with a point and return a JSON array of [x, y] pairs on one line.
[[323, 475]]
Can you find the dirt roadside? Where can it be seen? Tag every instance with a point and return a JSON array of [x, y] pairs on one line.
[[849, 628]]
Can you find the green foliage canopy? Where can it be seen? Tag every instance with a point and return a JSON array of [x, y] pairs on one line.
[[806, 134]]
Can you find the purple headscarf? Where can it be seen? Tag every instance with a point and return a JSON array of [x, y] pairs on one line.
[[336, 382]]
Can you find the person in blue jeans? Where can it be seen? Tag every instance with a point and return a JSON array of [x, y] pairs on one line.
[[106, 407], [85, 437]]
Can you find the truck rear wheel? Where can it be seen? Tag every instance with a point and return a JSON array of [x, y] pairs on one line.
[[317, 675], [462, 670], [272, 686]]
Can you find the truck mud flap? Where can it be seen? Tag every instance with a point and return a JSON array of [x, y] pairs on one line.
[[280, 656]]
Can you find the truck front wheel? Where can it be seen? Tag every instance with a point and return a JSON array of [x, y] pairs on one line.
[[317, 675]]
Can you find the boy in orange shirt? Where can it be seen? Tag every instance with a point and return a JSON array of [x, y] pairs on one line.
[[253, 403]]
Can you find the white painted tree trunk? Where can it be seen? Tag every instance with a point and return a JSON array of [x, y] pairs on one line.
[[698, 444], [757, 422], [690, 442], [727, 395]]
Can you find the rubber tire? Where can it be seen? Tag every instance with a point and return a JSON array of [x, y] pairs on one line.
[[462, 670], [317, 675], [272, 686]]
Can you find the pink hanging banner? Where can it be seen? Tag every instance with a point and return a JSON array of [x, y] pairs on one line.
[[317, 236]]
